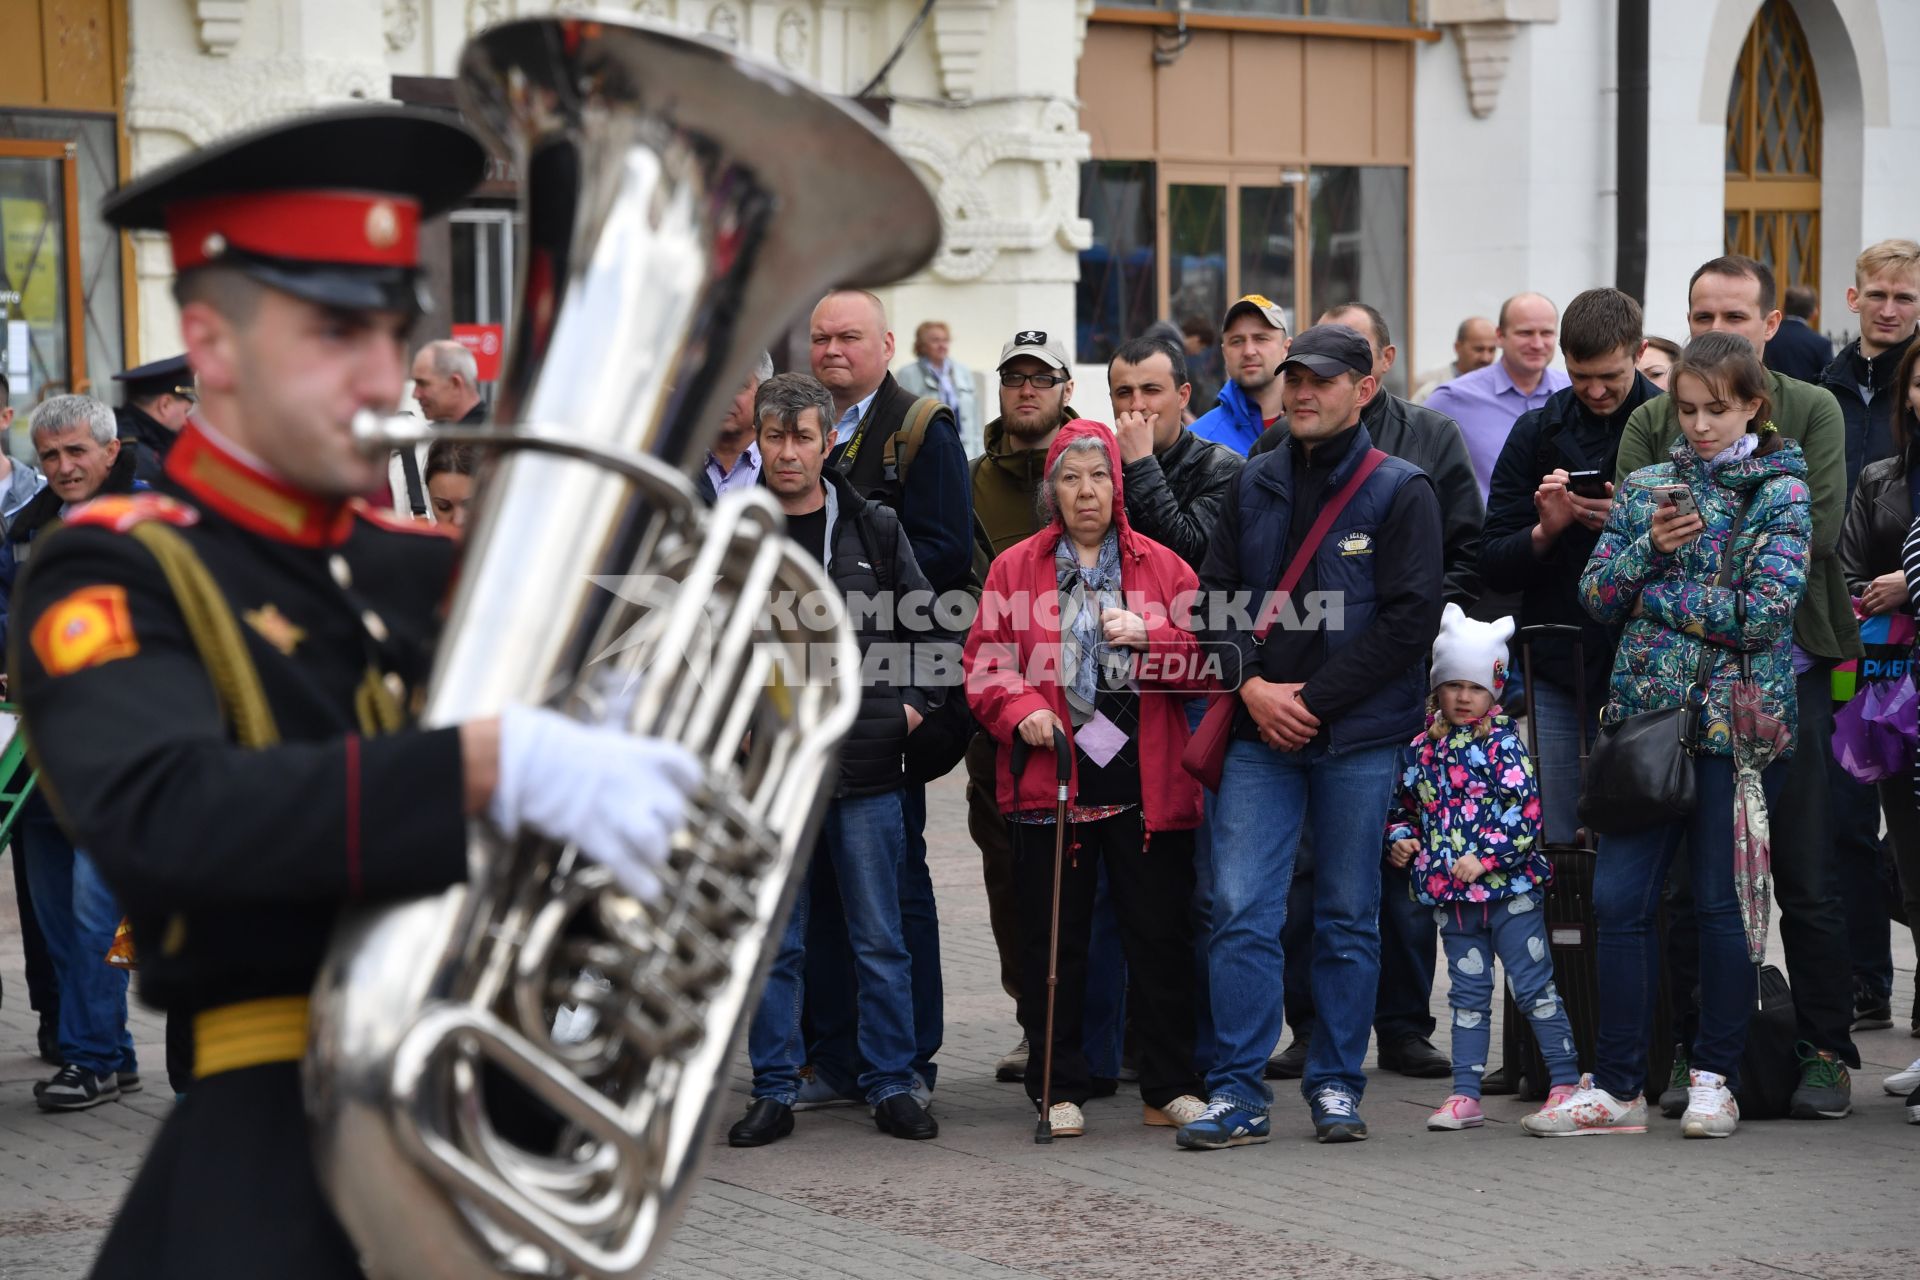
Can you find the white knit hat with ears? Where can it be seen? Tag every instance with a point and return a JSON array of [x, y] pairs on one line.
[[1472, 651]]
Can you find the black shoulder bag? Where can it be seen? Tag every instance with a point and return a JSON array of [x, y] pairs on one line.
[[1640, 773]]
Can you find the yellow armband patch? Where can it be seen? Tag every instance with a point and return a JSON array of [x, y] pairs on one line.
[[85, 629]]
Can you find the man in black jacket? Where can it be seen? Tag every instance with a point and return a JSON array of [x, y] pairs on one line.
[[1798, 348], [867, 554], [1175, 481], [851, 348], [1430, 440], [159, 397], [1541, 530], [1402, 1022]]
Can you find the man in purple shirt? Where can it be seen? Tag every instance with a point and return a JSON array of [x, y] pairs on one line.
[[1487, 402]]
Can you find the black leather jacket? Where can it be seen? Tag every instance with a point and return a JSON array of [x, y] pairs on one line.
[[1174, 497], [1876, 524]]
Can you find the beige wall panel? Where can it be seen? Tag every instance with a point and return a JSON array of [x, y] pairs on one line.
[[1191, 100], [21, 59], [1116, 91], [1268, 93], [1393, 103], [1340, 90]]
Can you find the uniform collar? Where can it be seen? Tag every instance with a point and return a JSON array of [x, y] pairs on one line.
[[222, 477]]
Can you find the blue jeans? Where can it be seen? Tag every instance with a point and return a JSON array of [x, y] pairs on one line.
[[831, 1016], [1267, 799], [1515, 932], [1555, 727], [1627, 882], [864, 838], [78, 915], [1403, 1005]]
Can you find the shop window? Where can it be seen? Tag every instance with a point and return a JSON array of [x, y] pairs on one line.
[[1357, 217], [41, 341], [1117, 293]]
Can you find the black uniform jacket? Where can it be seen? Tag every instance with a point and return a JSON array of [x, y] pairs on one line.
[[233, 862]]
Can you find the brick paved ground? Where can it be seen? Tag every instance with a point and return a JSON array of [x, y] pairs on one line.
[[839, 1199]]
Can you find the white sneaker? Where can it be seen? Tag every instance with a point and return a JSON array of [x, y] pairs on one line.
[[1711, 1111], [1897, 1084], [1590, 1109], [1067, 1120], [1182, 1111]]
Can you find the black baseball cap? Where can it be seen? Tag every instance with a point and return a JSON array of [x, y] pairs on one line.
[[1330, 350]]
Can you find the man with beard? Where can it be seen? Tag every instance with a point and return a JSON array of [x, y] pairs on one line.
[[1253, 341], [1034, 390]]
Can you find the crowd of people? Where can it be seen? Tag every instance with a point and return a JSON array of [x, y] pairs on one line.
[[1323, 587], [1670, 515]]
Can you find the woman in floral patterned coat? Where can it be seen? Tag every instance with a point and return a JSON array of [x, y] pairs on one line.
[[1731, 475]]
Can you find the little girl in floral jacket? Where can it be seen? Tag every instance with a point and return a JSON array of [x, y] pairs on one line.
[[1467, 816]]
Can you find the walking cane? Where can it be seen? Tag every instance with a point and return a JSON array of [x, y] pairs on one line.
[[1063, 775]]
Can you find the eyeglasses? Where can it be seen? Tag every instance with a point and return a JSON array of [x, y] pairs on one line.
[[1044, 381]]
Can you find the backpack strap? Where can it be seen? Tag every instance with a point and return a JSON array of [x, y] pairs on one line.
[[903, 446], [416, 492]]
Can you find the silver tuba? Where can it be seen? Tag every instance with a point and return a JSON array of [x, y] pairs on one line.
[[517, 1076]]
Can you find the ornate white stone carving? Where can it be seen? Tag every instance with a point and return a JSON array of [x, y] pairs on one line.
[[220, 22], [792, 40], [723, 23], [960, 32], [484, 13], [652, 10], [1082, 11], [1485, 31], [180, 94], [977, 233], [400, 23]]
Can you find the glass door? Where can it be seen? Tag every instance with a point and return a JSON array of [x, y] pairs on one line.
[[41, 330]]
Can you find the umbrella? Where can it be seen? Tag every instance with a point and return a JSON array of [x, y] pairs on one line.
[[1759, 738]]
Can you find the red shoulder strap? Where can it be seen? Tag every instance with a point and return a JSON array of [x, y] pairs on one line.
[[120, 512], [1322, 525]]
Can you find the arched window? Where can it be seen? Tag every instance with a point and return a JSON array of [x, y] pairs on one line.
[[1773, 149]]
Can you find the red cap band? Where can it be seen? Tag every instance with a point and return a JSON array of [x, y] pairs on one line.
[[333, 227]]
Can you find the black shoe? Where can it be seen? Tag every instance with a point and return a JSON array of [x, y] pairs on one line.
[[1502, 1082], [1414, 1055], [766, 1121], [75, 1089], [902, 1117], [1871, 1010], [50, 1042], [1825, 1091], [1291, 1062]]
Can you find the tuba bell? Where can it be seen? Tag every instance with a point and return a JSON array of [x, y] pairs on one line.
[[517, 1076]]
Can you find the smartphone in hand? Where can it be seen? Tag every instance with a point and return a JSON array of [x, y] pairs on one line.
[[1588, 484], [1680, 498]]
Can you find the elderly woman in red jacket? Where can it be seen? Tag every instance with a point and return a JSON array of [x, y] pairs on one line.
[[1079, 629]]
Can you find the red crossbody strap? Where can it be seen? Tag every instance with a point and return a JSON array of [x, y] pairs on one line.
[[1322, 525]]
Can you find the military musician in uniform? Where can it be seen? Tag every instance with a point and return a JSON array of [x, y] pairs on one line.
[[216, 675]]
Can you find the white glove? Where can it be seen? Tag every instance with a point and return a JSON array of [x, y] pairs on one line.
[[617, 797]]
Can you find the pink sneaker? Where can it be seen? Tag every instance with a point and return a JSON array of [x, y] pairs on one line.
[[1557, 1095], [1457, 1112]]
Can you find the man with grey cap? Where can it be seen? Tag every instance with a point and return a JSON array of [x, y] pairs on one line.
[[1253, 341], [1329, 687]]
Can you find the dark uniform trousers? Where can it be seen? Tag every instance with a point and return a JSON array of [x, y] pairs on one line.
[[234, 821]]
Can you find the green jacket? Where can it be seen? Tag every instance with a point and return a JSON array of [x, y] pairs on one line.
[[1824, 624], [1006, 487]]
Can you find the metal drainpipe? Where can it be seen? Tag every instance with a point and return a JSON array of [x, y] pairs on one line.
[[1630, 143]]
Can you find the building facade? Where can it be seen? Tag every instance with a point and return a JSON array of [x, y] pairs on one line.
[[1100, 164]]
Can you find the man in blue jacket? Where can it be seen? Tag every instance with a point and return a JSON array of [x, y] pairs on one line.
[[1253, 339], [1325, 702]]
